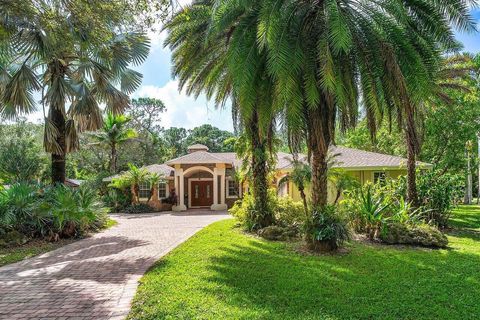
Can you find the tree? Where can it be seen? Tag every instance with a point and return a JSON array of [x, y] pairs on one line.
[[210, 136], [21, 156], [210, 54], [114, 133], [175, 141], [69, 51], [325, 55], [300, 176], [134, 176]]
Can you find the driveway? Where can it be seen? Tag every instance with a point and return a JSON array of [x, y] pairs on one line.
[[95, 278]]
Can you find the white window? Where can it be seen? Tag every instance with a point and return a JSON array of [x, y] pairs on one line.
[[162, 190], [379, 177], [144, 190], [232, 189]]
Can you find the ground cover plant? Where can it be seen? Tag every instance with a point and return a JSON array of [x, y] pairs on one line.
[[224, 273]]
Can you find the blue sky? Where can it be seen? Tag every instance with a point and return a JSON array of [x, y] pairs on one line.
[[187, 112]]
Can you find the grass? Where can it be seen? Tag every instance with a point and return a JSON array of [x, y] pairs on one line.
[[37, 247], [221, 273]]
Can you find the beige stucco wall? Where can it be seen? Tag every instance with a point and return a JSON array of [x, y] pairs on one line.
[[362, 176]]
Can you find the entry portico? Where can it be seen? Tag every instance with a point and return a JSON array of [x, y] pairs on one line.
[[200, 178]]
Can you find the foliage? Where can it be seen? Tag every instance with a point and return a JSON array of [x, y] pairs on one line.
[[372, 212], [21, 156], [50, 212], [210, 136], [139, 208], [82, 60], [438, 194], [245, 210], [289, 213], [325, 229], [422, 235], [117, 199], [175, 141], [113, 133]]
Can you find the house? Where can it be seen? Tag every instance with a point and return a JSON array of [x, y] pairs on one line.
[[206, 179]]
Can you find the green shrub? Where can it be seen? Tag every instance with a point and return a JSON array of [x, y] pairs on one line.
[[139, 208], [289, 212], [117, 200], [421, 235], [50, 212], [245, 210], [326, 229]]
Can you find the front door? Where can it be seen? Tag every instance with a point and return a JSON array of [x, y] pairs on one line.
[[202, 193]]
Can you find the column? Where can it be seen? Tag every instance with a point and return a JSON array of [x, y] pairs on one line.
[[222, 187], [215, 186], [179, 187]]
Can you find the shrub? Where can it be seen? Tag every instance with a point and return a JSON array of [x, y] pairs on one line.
[[139, 208], [422, 235], [289, 212], [245, 210], [326, 230], [50, 212], [117, 200]]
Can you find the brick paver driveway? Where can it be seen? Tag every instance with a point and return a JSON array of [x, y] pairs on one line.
[[95, 278]]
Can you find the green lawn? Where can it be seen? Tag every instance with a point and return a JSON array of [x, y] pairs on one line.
[[221, 273], [36, 247]]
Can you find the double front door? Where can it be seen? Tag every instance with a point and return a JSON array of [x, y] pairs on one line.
[[202, 193]]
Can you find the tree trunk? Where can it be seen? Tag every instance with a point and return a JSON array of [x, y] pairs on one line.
[[320, 129], [113, 159], [259, 173], [412, 195], [58, 160], [304, 199]]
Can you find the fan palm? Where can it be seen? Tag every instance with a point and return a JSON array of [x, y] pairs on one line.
[[328, 55], [135, 176], [114, 133], [300, 176], [217, 54], [74, 67]]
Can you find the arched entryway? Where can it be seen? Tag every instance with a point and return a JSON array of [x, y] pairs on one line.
[[200, 187]]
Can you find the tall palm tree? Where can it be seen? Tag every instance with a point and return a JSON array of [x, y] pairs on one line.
[[114, 133], [210, 55], [328, 55], [74, 64]]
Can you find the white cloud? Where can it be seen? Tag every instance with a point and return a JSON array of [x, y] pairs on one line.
[[186, 111]]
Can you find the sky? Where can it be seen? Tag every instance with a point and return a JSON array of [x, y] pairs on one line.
[[188, 112]]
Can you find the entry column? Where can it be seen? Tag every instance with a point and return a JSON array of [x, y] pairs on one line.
[[179, 185]]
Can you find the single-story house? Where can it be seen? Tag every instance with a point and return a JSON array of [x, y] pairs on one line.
[[206, 179]]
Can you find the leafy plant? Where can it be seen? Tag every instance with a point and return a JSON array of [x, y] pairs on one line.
[[326, 230], [373, 212]]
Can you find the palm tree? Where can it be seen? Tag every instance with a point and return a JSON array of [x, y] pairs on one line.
[[328, 55], [300, 176], [135, 176], [154, 179], [68, 61], [209, 55], [114, 133]]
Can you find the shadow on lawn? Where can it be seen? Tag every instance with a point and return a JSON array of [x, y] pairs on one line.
[[367, 283]]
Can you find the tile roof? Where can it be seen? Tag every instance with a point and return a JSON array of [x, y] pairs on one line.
[[347, 158], [162, 169]]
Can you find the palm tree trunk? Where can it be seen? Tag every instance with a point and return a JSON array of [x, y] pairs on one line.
[[412, 195], [320, 128], [259, 172], [58, 160], [304, 199], [113, 158]]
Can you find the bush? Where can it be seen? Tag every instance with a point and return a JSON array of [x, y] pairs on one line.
[[117, 200], [289, 212], [421, 235], [326, 229], [50, 212], [139, 208], [245, 210]]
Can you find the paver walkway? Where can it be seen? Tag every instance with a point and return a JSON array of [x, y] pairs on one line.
[[95, 278]]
